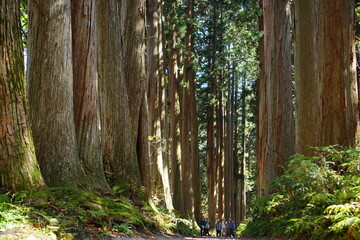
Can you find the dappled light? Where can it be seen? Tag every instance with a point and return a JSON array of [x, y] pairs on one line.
[[179, 119]]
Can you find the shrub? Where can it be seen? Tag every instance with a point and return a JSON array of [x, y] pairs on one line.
[[317, 198]]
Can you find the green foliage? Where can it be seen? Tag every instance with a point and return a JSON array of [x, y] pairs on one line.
[[24, 21], [185, 228], [4, 198], [317, 198], [70, 212], [15, 223]]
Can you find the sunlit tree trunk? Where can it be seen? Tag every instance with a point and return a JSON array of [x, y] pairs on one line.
[[174, 110], [275, 96], [155, 97], [50, 75], [243, 154], [19, 169], [220, 153], [120, 147], [229, 190], [211, 155], [194, 147], [86, 91], [133, 39], [186, 165], [325, 72]]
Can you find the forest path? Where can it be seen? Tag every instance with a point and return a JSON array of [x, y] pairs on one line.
[[179, 237]]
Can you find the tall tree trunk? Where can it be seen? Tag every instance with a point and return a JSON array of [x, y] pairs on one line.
[[19, 168], [187, 162], [133, 38], [120, 146], [261, 124], [236, 174], [220, 152], [210, 156], [143, 148], [86, 91], [326, 85], [186, 167], [276, 92], [155, 97], [51, 93], [243, 154], [193, 119], [174, 109], [194, 147]]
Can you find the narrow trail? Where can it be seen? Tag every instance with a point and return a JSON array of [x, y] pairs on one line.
[[179, 237]]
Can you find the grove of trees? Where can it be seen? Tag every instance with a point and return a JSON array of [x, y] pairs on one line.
[[197, 104]]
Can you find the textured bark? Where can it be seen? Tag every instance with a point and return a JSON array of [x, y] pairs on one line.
[[120, 146], [133, 38], [220, 153], [19, 168], [174, 109], [229, 153], [194, 147], [242, 192], [210, 158], [143, 147], [326, 85], [261, 124], [187, 162], [275, 96], [210, 149], [186, 166], [86, 91], [155, 98], [51, 92]]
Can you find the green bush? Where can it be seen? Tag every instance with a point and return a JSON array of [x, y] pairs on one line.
[[317, 198]]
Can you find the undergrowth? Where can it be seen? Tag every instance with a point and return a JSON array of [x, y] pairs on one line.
[[316, 198], [68, 213]]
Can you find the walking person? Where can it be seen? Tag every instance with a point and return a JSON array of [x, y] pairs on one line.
[[218, 228], [224, 227], [207, 227], [202, 226], [232, 227]]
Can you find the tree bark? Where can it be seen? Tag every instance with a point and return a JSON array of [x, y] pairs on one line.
[[220, 153], [19, 168], [50, 75], [242, 192], [194, 147], [155, 98], [133, 38], [120, 147], [275, 96], [210, 156], [326, 84], [174, 109], [86, 91]]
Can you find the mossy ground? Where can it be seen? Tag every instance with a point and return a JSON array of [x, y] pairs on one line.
[[68, 213]]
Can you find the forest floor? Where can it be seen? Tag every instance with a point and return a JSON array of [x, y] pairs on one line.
[[179, 237]]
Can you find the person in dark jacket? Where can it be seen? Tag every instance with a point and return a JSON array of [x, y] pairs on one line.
[[202, 225], [218, 228], [232, 226], [207, 227]]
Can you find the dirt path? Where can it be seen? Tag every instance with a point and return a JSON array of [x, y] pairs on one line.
[[179, 237]]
